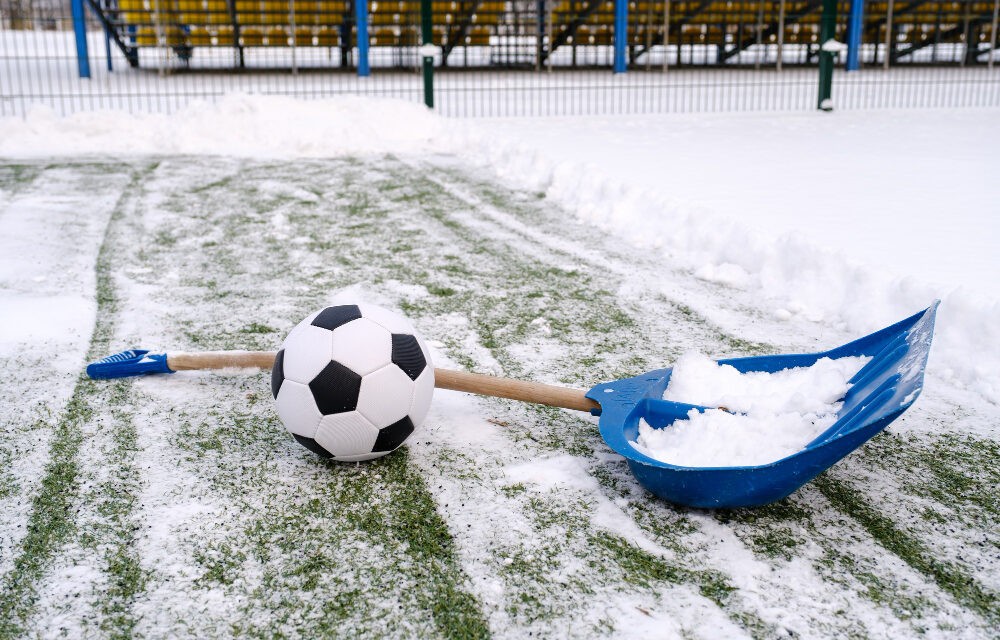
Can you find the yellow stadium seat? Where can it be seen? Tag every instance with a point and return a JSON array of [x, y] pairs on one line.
[[478, 36], [327, 37], [251, 37]]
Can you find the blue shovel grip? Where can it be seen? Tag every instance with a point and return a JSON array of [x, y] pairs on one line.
[[134, 362]]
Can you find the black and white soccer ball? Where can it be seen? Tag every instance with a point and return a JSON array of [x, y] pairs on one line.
[[352, 382]]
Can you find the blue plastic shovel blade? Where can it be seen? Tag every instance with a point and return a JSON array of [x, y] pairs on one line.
[[881, 391]]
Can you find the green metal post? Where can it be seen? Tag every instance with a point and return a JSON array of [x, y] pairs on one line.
[[827, 30], [427, 37]]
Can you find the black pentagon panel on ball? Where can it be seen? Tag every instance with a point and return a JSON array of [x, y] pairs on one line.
[[407, 354], [333, 317], [389, 438], [313, 446], [335, 389], [277, 373]]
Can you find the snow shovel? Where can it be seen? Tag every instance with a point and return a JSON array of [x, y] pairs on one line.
[[881, 391]]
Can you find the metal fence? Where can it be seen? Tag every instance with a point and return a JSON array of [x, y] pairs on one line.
[[500, 58]]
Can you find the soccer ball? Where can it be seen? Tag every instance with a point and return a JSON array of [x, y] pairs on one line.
[[352, 382]]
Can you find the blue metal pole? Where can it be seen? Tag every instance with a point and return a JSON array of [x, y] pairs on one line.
[[855, 27], [621, 35], [107, 47], [80, 29], [361, 19]]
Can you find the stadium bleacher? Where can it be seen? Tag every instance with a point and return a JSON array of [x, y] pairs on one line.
[[730, 26]]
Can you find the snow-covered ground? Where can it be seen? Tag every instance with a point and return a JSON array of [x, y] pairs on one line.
[[909, 193], [855, 219], [547, 249], [851, 218]]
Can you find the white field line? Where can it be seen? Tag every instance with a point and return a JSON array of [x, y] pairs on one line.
[[51, 236]]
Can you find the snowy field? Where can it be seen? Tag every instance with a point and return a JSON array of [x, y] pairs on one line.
[[179, 507]]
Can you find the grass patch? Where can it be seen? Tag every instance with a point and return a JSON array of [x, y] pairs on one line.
[[52, 522], [643, 569], [15, 178], [963, 469], [338, 547], [380, 510], [775, 530], [959, 584]]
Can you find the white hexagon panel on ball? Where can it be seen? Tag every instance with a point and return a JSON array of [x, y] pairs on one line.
[[307, 352], [297, 409], [347, 435], [362, 346], [394, 322], [385, 396]]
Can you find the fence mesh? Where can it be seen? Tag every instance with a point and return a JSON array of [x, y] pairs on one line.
[[498, 58]]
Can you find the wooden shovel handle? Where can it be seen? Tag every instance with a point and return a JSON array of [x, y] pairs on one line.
[[221, 360], [493, 386], [535, 392]]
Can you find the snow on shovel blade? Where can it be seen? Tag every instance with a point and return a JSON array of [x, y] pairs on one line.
[[881, 391]]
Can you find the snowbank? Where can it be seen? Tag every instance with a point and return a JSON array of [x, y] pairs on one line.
[[239, 125], [789, 276]]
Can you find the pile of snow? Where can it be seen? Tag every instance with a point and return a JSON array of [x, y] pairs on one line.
[[860, 238], [697, 379], [239, 125], [768, 416], [788, 276]]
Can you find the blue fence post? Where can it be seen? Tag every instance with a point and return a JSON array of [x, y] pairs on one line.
[[621, 35], [855, 29], [361, 19], [80, 29], [107, 47]]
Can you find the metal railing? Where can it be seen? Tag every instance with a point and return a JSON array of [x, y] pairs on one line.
[[533, 57]]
